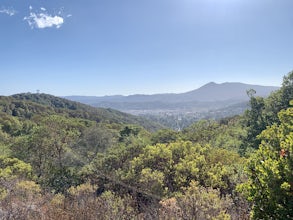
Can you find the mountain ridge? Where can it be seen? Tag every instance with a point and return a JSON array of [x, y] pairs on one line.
[[228, 92]]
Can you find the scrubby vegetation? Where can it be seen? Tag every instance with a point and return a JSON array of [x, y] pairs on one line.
[[64, 160]]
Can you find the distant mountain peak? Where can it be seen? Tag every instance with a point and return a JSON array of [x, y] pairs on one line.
[[226, 91], [211, 92], [210, 84]]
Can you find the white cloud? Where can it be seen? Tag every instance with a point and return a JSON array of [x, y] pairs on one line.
[[8, 11], [43, 19]]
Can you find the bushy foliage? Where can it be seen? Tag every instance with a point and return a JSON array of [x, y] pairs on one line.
[[64, 160], [269, 169]]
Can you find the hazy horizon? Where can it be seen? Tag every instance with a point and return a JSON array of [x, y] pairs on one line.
[[39, 91], [99, 48]]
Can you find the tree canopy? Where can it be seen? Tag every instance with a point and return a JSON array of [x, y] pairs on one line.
[[64, 160]]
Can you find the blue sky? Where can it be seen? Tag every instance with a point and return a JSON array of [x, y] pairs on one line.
[[107, 47]]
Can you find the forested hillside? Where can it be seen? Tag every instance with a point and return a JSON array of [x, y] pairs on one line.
[[27, 104], [64, 160]]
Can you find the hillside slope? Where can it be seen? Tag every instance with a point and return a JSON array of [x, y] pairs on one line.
[[27, 104]]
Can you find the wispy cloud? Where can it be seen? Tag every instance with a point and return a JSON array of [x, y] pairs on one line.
[[43, 19], [8, 11]]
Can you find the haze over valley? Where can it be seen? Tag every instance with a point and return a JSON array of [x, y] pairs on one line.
[[210, 101]]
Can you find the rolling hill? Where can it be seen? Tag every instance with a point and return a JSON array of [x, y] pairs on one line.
[[27, 105]]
